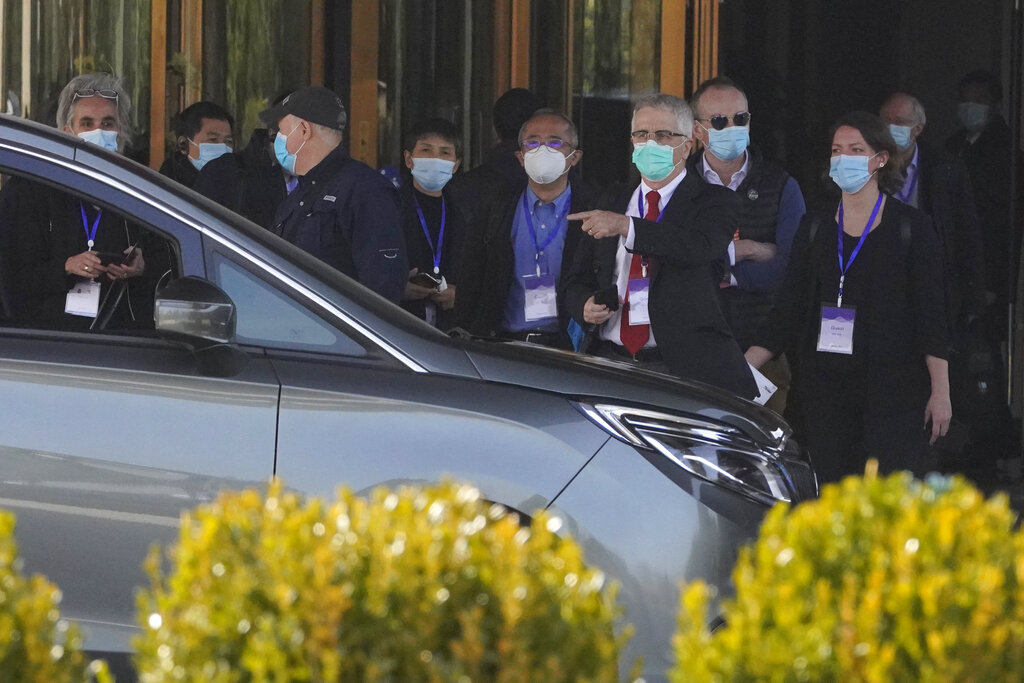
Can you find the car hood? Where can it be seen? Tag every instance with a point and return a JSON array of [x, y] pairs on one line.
[[590, 378]]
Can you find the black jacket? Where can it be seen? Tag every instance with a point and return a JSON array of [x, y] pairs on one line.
[[347, 215], [178, 168], [944, 193], [488, 261], [249, 182], [684, 248], [418, 249], [896, 286], [40, 228]]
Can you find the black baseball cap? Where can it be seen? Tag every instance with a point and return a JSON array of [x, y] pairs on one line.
[[315, 104]]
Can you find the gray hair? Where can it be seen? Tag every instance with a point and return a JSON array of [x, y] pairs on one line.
[[574, 136], [676, 105], [915, 106], [98, 81], [332, 136]]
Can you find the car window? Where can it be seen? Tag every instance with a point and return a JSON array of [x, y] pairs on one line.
[[73, 262], [268, 317]]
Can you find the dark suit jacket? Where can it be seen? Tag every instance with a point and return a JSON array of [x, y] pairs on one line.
[[688, 325], [944, 193], [489, 260]]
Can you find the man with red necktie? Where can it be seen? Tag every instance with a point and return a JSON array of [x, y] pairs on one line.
[[643, 277]]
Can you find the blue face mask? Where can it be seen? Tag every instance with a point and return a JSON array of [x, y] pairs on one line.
[[972, 115], [850, 173], [107, 139], [900, 135], [654, 161], [284, 157], [729, 143], [431, 173], [208, 151]]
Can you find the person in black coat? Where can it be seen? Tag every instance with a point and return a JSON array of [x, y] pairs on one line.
[[250, 182], [664, 238], [433, 224], [202, 133], [524, 242], [62, 256], [342, 212], [868, 348]]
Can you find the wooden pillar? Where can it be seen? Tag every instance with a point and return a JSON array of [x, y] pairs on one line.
[[511, 45], [363, 119], [673, 47], [317, 18], [519, 57], [158, 82], [192, 49]]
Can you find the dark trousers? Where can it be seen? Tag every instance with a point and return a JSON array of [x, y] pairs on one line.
[[841, 435]]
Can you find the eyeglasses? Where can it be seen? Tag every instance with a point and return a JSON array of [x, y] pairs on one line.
[[557, 145], [89, 92], [662, 137], [721, 121]]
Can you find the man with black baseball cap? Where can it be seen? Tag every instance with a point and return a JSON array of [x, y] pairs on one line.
[[343, 212]]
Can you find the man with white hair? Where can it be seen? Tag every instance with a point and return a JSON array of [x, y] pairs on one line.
[[643, 277], [939, 185], [62, 254], [342, 212]]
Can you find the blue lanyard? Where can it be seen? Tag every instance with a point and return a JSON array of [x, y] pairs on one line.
[[90, 235], [856, 250], [554, 233], [435, 250]]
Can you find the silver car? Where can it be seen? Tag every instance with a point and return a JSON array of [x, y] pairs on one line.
[[263, 361]]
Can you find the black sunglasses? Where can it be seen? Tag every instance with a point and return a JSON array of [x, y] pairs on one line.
[[721, 121]]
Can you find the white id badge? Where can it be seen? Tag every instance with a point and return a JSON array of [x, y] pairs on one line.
[[83, 299], [541, 301], [836, 333], [765, 387], [639, 294]]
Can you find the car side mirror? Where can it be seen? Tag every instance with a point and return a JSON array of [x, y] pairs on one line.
[[195, 308], [200, 313]]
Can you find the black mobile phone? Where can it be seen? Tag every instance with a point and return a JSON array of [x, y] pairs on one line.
[[425, 280], [118, 257], [609, 296]]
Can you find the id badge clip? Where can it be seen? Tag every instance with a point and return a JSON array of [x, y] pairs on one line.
[[835, 334]]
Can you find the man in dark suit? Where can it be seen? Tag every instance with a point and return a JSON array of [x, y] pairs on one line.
[[939, 186], [644, 275], [523, 242]]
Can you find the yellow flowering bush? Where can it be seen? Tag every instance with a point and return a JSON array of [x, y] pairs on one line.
[[35, 643], [417, 584], [882, 579]]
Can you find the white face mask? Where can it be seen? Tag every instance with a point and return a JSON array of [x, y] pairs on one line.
[[545, 165]]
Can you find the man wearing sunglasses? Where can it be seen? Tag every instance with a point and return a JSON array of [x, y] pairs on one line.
[[523, 241], [771, 206], [643, 277], [65, 257]]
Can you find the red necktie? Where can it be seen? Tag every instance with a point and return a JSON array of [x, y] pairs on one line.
[[635, 336]]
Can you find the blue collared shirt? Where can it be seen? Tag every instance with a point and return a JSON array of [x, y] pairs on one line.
[[547, 217]]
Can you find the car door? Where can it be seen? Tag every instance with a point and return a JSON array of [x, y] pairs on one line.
[[106, 436], [353, 414]]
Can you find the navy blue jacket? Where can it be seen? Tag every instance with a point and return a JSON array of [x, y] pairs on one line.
[[347, 215]]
